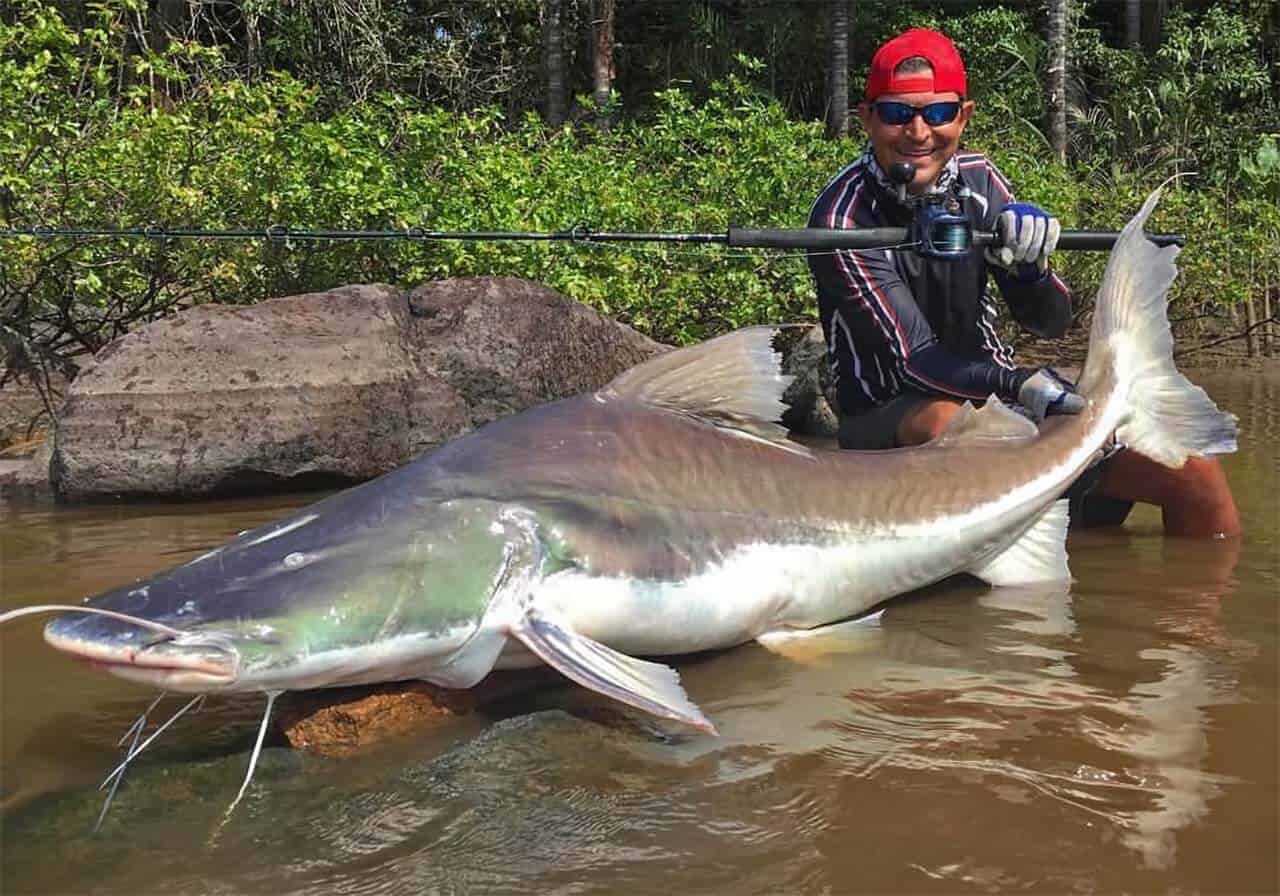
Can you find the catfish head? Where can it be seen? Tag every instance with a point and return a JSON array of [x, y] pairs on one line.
[[374, 584]]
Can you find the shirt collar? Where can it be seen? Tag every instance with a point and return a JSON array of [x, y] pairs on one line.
[[946, 177]]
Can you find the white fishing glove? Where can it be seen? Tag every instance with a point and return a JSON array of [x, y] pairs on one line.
[[1045, 393], [1028, 235]]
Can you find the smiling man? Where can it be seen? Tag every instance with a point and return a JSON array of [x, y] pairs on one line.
[[910, 338]]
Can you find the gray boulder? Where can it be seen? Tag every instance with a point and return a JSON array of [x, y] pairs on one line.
[[505, 345], [325, 388]]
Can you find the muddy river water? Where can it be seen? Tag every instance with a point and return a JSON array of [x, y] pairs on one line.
[[1119, 735]]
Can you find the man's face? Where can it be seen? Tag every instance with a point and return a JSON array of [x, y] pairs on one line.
[[928, 148]]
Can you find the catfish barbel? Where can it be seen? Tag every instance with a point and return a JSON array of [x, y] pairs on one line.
[[664, 514]]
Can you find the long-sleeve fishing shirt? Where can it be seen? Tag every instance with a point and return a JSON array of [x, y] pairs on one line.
[[896, 320]]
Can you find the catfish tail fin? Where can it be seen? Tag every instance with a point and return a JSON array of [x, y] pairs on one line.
[[1161, 413]]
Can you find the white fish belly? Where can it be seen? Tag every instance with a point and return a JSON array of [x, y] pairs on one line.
[[760, 587]]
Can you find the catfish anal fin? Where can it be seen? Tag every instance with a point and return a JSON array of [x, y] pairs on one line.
[[1039, 555], [810, 644]]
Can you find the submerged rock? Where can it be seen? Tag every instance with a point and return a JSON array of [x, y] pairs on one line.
[[340, 722]]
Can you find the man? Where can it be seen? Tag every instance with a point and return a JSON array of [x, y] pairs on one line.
[[911, 338]]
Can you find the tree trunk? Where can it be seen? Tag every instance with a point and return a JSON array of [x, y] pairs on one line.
[[1057, 77], [1153, 12], [168, 20], [1133, 23], [1268, 338], [252, 42], [602, 19], [838, 70], [553, 60], [1250, 325]]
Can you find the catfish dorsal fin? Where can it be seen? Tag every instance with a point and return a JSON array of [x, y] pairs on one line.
[[735, 380], [995, 421]]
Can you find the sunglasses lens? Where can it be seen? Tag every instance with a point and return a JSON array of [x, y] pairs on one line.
[[895, 113], [935, 114]]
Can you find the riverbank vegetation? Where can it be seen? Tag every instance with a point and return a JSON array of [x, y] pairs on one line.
[[320, 114]]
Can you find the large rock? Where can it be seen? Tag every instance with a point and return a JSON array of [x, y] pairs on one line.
[[323, 389]]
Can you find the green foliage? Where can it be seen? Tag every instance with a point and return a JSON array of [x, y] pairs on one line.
[[1232, 243], [455, 53], [97, 128], [235, 153], [1004, 56], [1261, 168], [1201, 103]]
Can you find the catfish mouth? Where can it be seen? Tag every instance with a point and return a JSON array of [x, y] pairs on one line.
[[192, 663]]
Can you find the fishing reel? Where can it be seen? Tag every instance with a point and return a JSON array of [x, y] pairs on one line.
[[938, 227]]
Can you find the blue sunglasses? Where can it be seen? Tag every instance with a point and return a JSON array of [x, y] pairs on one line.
[[933, 114]]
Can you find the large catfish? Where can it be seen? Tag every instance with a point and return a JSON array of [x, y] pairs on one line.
[[664, 514]]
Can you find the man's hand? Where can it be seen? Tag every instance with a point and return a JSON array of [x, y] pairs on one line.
[[1028, 235], [1044, 393]]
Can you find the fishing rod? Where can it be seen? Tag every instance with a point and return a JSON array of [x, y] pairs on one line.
[[937, 230], [946, 237]]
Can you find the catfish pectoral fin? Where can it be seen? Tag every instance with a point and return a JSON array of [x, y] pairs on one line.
[[1039, 555], [652, 687]]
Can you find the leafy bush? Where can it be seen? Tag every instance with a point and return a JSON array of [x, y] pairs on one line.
[[93, 133], [1199, 103]]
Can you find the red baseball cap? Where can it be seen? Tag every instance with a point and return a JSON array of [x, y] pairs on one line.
[[948, 68]]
